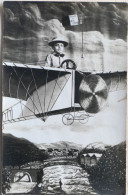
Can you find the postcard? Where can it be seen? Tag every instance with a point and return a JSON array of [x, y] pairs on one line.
[[64, 94]]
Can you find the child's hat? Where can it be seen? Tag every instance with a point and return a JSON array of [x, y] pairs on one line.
[[58, 39]]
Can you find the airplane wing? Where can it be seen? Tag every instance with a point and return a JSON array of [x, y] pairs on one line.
[[20, 81], [115, 80], [39, 86], [51, 91]]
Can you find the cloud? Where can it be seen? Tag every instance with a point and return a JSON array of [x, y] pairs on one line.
[[108, 126], [108, 18], [28, 29]]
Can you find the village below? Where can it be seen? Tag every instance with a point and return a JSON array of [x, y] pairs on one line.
[[61, 167]]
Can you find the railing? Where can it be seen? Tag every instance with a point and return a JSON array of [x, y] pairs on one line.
[[53, 161]]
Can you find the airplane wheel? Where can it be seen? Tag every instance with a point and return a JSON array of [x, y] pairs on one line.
[[83, 118], [67, 119]]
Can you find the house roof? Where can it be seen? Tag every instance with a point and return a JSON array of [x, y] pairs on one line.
[[93, 154]]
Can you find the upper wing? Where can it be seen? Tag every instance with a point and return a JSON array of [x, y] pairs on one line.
[[39, 86], [115, 80], [20, 81]]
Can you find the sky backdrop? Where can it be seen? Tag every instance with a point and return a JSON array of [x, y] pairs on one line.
[[29, 26], [108, 126]]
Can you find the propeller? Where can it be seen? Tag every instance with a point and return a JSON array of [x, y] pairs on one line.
[[93, 93]]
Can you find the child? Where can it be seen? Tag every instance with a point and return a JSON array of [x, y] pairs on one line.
[[57, 56], [60, 183]]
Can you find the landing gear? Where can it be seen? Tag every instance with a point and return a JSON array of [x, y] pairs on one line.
[[84, 118], [67, 119]]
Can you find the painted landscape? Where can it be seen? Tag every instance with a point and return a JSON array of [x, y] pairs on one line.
[[95, 169], [45, 155]]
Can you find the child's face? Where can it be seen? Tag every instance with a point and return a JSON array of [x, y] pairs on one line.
[[58, 47]]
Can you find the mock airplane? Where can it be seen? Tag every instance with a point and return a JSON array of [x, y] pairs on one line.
[[45, 91]]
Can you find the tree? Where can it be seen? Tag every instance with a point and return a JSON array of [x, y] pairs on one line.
[[17, 151], [109, 175], [6, 179]]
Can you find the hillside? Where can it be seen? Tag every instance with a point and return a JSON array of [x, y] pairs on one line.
[[60, 145], [99, 147], [18, 151]]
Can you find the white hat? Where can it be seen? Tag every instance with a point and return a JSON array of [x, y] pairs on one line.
[[58, 39]]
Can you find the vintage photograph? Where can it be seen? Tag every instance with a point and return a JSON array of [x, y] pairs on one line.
[[64, 94]]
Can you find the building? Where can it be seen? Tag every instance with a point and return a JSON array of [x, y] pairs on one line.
[[90, 159]]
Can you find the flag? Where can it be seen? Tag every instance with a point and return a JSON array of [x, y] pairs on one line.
[[72, 20]]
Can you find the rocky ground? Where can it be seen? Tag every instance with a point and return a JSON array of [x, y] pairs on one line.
[[74, 181], [21, 187]]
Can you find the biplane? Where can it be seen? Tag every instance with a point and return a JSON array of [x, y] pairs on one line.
[[46, 91]]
